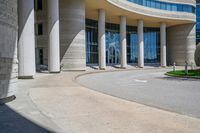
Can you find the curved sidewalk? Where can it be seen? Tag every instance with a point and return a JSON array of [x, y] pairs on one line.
[[72, 108]]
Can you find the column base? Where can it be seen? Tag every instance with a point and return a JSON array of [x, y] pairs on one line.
[[7, 99], [102, 68], [25, 77], [140, 66]]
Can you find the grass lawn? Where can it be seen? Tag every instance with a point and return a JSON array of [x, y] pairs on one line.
[[181, 73]]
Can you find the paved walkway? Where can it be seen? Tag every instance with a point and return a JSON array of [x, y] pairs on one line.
[[56, 103]]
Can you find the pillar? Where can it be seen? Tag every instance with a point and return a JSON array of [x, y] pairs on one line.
[[54, 36], [26, 46], [101, 39], [8, 50], [140, 44], [123, 44], [163, 58], [73, 39]]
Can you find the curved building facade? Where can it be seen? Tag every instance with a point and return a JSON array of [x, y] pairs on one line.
[[157, 32], [71, 34]]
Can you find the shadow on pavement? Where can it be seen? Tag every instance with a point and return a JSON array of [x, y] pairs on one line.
[[12, 122], [178, 78]]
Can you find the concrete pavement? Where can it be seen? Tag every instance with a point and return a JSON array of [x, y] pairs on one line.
[[56, 103], [149, 87]]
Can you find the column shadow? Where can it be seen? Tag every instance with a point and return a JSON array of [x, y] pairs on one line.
[[13, 122]]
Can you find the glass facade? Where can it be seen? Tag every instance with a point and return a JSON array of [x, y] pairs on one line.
[[165, 5], [198, 22], [112, 44], [151, 43], [91, 42]]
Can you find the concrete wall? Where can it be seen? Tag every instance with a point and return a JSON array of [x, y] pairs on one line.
[[8, 48], [42, 40], [181, 44], [72, 34]]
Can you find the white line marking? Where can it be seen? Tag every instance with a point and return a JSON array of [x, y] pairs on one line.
[[141, 81]]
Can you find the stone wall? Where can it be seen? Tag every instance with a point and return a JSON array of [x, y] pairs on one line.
[[181, 44], [8, 48]]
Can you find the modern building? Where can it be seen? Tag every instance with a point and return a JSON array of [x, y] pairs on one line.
[[71, 34], [198, 21]]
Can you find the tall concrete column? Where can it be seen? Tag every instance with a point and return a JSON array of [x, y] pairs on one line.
[[72, 37], [26, 46], [181, 43], [123, 42], [54, 36], [102, 39], [163, 56], [140, 43], [8, 50]]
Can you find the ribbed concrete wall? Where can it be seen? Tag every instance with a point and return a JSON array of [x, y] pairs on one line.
[[181, 44], [72, 34], [8, 48]]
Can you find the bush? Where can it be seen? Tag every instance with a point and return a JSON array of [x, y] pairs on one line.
[[197, 55]]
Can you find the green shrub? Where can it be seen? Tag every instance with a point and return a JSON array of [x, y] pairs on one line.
[[197, 55]]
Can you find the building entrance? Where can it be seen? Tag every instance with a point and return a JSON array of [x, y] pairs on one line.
[[112, 47], [112, 55]]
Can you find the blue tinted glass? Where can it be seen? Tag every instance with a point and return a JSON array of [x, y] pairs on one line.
[[165, 5]]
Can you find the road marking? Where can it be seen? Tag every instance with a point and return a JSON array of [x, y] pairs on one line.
[[141, 81]]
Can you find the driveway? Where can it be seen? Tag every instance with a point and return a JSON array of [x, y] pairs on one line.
[[150, 87]]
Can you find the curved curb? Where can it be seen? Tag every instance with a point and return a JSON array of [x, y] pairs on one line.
[[116, 70]]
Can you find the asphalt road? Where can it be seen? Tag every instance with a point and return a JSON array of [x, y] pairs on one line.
[[149, 87]]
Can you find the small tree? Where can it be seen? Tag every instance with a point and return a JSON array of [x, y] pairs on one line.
[[197, 55]]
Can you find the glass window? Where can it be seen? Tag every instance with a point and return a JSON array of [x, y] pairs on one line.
[[151, 44], [165, 5], [39, 29], [38, 5]]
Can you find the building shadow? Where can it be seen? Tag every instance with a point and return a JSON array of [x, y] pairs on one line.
[[178, 78], [13, 122]]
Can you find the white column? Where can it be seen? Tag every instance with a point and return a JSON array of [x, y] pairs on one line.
[[140, 43], [101, 39], [26, 46], [163, 57], [54, 36], [123, 42]]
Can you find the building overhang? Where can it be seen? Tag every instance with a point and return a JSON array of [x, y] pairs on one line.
[[134, 12]]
